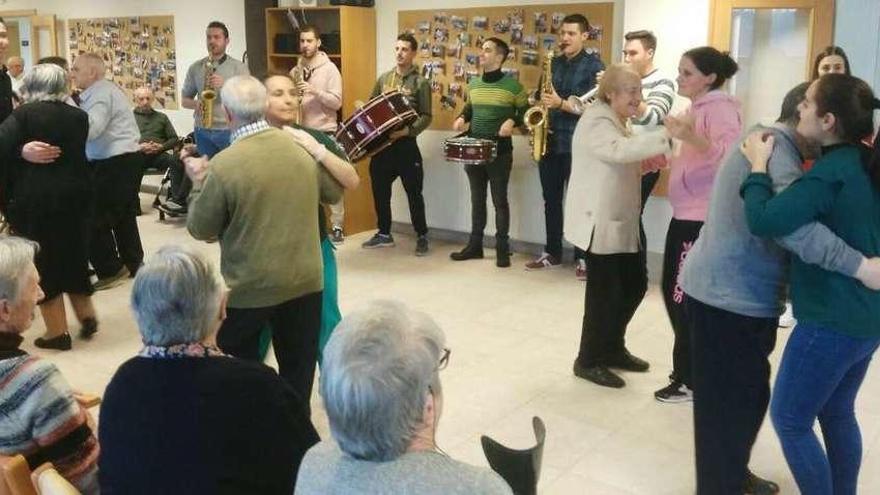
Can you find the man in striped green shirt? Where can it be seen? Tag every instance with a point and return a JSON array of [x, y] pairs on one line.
[[496, 104]]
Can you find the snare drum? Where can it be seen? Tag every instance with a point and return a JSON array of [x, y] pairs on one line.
[[367, 131], [470, 151]]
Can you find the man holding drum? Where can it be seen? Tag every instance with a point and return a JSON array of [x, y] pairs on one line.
[[496, 103], [402, 158]]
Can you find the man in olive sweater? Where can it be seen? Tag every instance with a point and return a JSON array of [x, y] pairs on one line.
[[258, 197]]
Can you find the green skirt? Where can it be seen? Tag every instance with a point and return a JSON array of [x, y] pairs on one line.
[[330, 315]]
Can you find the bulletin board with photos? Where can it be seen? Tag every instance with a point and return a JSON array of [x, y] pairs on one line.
[[450, 40], [138, 51]]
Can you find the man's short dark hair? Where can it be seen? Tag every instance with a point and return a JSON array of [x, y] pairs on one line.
[[581, 21], [789, 114], [500, 46], [219, 25], [311, 28], [2, 21], [409, 39], [649, 41], [54, 60]]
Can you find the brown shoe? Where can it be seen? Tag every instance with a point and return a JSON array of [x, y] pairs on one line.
[[543, 262]]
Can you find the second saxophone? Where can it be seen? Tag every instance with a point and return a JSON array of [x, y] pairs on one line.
[[537, 118]]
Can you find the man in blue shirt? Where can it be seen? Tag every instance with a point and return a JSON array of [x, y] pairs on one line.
[[573, 73], [113, 151]]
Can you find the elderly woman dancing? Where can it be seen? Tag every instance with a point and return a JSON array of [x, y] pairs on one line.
[[51, 203], [604, 205], [182, 417], [381, 387]]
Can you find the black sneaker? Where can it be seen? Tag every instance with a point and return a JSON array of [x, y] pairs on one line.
[[379, 241], [759, 486], [421, 246], [599, 375], [674, 393]]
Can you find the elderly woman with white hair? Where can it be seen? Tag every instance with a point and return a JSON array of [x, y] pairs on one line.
[[380, 382], [603, 207], [51, 203], [41, 417], [182, 417]]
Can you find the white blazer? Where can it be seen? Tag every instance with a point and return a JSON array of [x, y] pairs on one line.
[[603, 203]]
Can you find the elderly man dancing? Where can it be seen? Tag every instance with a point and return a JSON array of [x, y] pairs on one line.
[[258, 197]]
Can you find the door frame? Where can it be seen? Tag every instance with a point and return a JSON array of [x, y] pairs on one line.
[[821, 21]]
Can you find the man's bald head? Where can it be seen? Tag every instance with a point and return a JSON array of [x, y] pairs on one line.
[[143, 98], [87, 69], [15, 66]]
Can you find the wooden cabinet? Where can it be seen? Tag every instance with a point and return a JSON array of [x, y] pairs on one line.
[[355, 28]]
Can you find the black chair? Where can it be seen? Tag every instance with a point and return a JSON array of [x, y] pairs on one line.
[[519, 468]]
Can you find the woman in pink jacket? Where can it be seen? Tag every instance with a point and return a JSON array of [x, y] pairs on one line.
[[706, 131]]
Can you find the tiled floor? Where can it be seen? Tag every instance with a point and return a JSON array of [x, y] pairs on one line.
[[514, 335]]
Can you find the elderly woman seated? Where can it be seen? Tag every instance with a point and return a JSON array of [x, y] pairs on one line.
[[381, 387], [182, 417], [41, 418]]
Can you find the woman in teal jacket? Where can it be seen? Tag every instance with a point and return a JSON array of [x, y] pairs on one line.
[[838, 329]]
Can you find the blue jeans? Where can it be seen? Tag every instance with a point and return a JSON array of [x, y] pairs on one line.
[[819, 377], [211, 141]]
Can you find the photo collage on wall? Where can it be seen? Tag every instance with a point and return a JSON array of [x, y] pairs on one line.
[[450, 45], [138, 51]]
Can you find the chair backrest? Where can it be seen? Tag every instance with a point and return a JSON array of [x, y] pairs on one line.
[[16, 476], [520, 468], [50, 482]]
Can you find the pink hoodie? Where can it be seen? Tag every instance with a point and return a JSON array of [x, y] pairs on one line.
[[716, 117], [319, 107]]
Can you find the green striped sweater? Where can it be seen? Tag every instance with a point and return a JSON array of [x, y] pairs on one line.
[[490, 104]]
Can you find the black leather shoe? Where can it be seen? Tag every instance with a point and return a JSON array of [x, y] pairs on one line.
[[599, 375], [89, 328], [628, 362], [469, 252], [502, 254], [759, 486], [59, 343]]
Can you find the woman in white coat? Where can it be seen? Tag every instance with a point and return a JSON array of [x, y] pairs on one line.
[[602, 217]]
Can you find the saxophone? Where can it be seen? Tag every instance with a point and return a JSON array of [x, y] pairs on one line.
[[297, 75], [537, 118], [207, 97]]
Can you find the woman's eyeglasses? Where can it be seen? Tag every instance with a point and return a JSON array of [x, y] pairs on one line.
[[444, 359]]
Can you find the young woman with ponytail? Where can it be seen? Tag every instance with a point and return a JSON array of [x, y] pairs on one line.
[[707, 130], [838, 331]]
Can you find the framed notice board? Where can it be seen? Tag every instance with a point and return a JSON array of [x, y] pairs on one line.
[[450, 41], [137, 51]]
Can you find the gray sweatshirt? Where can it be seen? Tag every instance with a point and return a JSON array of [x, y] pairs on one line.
[[731, 269], [326, 470]]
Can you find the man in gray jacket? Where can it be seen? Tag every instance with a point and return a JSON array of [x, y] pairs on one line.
[[735, 285]]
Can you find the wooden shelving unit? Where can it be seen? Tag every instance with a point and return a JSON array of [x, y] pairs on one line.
[[356, 59]]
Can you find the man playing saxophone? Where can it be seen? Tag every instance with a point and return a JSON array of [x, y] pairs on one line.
[[205, 76], [573, 73]]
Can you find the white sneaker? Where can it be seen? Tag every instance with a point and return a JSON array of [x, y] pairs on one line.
[[787, 320]]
